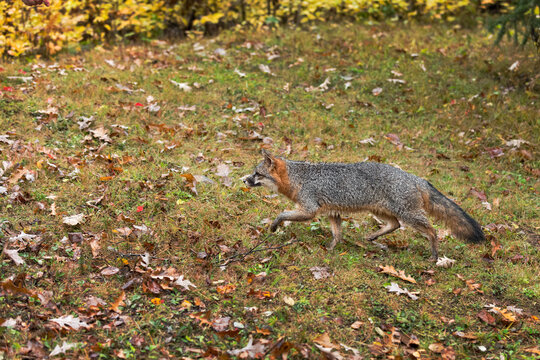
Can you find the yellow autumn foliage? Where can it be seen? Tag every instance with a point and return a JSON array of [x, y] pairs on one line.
[[70, 23]]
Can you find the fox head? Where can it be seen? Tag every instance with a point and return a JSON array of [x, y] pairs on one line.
[[265, 173]]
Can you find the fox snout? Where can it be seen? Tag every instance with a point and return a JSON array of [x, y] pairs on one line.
[[250, 181]]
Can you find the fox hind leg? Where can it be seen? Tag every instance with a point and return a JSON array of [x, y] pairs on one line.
[[392, 224], [335, 225]]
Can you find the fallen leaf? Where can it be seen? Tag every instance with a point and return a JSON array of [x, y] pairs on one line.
[[320, 272], [9, 286], [463, 335], [223, 170], [261, 294], [266, 69], [101, 133], [445, 262], [184, 283], [478, 194], [62, 349], [250, 350], [70, 322], [448, 354], [73, 219], [239, 73], [389, 269], [221, 324], [436, 348], [377, 91], [506, 314], [534, 350], [288, 300], [75, 238], [110, 270], [9, 323], [357, 325], [486, 317], [226, 289], [182, 86], [324, 340], [393, 287], [118, 302], [14, 255], [514, 66]]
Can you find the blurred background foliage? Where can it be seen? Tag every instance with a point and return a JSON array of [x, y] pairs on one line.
[[76, 23]]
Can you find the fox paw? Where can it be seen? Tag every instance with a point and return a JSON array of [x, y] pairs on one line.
[[273, 227]]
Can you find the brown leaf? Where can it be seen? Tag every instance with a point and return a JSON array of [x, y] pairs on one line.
[[486, 317], [203, 318], [75, 237], [324, 340], [463, 335], [394, 139], [95, 247], [118, 302], [10, 287], [262, 294], [110, 270], [357, 325], [436, 348], [389, 269], [494, 248], [125, 231], [151, 286], [474, 286], [226, 289], [448, 354], [411, 340], [479, 194], [495, 152], [534, 350]]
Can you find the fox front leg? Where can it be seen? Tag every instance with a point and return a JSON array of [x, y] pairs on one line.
[[294, 215]]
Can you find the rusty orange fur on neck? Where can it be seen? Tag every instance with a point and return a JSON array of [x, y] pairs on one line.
[[280, 174]]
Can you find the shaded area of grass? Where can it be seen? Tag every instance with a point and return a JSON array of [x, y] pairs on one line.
[[447, 119]]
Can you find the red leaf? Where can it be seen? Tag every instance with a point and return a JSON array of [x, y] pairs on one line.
[[479, 194], [486, 317]]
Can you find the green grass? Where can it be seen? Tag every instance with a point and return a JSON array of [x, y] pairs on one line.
[[451, 115]]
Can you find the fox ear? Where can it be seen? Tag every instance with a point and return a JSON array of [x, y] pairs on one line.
[[269, 159]]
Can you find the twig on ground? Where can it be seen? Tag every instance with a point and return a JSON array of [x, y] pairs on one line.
[[353, 244], [137, 255], [242, 256], [4, 247]]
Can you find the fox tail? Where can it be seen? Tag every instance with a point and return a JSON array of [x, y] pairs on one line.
[[462, 225]]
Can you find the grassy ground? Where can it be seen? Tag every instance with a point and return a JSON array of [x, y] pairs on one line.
[[449, 122]]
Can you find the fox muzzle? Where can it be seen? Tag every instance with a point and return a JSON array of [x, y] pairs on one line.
[[250, 181]]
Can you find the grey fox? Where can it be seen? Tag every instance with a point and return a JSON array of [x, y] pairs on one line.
[[333, 189]]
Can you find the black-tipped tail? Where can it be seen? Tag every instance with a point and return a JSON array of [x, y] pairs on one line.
[[462, 225]]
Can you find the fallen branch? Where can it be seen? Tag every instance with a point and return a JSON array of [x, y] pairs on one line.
[[242, 256], [124, 255]]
